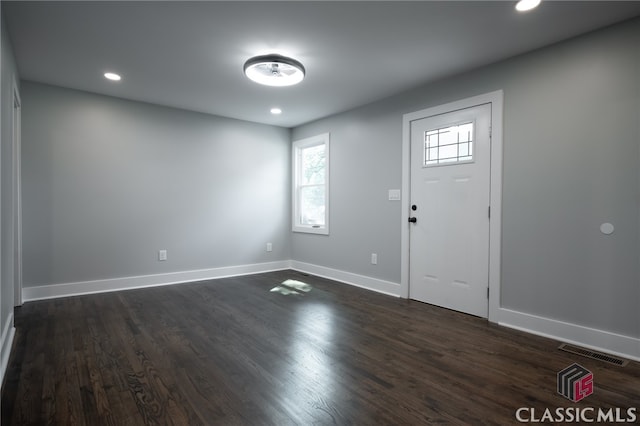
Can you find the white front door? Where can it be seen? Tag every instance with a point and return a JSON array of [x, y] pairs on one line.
[[450, 195]]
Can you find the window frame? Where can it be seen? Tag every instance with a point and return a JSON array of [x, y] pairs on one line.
[[296, 150]]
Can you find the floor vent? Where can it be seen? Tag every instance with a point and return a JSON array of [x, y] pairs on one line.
[[593, 355]]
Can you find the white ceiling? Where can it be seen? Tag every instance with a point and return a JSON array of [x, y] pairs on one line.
[[190, 54]]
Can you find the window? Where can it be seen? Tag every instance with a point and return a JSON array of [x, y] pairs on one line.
[[451, 144], [311, 185]]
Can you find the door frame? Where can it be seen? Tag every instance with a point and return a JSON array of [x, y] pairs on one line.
[[495, 221], [17, 194]]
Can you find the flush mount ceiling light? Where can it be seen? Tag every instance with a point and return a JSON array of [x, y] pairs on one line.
[[525, 5], [276, 111], [112, 76], [274, 70]]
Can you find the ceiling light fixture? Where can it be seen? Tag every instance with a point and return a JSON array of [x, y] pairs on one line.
[[526, 5], [112, 76], [274, 70], [276, 111]]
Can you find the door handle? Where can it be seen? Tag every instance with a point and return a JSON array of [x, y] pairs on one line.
[[413, 219]]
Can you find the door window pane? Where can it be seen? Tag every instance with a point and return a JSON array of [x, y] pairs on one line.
[[446, 145]]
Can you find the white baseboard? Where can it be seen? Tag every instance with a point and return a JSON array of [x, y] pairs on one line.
[[156, 280], [374, 284], [615, 344], [591, 338], [7, 343]]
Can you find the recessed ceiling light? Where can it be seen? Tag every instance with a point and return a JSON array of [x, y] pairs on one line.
[[276, 111], [112, 76], [274, 70], [525, 5]]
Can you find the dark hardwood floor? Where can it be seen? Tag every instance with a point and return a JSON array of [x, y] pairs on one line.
[[233, 352]]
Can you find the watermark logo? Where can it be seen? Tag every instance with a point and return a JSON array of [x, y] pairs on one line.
[[575, 382]]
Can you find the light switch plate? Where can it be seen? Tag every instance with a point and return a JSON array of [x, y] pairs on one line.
[[394, 195]]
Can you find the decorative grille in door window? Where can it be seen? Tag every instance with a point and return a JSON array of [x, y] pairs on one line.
[[446, 145]]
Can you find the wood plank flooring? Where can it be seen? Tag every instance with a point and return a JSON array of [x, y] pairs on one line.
[[233, 352]]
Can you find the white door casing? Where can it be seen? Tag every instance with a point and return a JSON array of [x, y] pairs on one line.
[[17, 197], [449, 240]]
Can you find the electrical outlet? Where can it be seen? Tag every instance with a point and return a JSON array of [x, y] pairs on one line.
[[162, 255], [374, 258], [269, 247]]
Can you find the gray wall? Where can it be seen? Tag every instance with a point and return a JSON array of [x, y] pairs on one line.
[[7, 74], [109, 182], [571, 162]]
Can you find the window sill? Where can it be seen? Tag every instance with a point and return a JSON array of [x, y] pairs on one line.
[[311, 230]]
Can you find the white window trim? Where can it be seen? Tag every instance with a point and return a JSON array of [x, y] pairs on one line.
[[295, 158]]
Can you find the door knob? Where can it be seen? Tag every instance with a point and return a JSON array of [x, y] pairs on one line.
[[413, 219]]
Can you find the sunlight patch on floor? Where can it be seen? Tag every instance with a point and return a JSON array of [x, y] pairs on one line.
[[298, 285], [292, 287]]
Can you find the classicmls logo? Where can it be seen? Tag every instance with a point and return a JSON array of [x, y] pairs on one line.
[[575, 382]]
